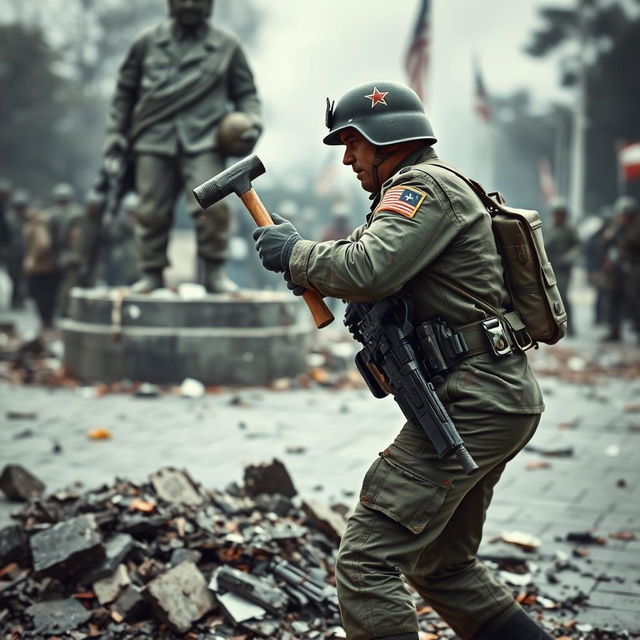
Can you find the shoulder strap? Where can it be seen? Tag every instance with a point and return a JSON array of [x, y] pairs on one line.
[[476, 187]]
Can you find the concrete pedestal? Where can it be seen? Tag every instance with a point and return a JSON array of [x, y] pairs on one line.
[[248, 338]]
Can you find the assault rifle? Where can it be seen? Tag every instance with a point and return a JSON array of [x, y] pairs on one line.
[[389, 364]]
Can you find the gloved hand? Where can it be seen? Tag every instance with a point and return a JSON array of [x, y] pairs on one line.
[[297, 289], [275, 244]]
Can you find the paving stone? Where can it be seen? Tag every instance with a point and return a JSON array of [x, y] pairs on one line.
[[19, 484], [67, 547], [180, 596], [57, 616]]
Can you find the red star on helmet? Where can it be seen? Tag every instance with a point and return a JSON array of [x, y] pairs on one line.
[[377, 97]]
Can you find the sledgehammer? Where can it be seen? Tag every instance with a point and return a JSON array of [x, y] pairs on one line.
[[237, 179]]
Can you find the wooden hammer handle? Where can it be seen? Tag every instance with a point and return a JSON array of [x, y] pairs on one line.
[[322, 316]]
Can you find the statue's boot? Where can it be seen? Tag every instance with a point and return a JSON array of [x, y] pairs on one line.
[[215, 279], [150, 281]]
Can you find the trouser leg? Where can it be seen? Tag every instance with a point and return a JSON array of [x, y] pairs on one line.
[[212, 224], [157, 184], [407, 500]]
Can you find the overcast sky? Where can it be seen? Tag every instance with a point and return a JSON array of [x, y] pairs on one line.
[[311, 50]]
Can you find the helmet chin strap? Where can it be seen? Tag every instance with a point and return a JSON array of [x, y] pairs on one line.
[[390, 156]]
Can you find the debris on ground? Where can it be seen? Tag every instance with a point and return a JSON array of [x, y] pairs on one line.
[[168, 559], [19, 484]]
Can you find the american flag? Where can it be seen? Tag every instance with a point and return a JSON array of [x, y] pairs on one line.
[[547, 183], [417, 57], [404, 200], [482, 104]]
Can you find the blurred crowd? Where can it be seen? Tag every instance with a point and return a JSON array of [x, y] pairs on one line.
[[47, 250], [609, 248]]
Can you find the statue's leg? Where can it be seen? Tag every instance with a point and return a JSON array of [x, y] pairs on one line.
[[158, 185]]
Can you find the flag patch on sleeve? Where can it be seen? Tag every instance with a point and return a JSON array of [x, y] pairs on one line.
[[403, 200]]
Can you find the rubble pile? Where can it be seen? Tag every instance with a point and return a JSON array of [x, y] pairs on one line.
[[168, 559]]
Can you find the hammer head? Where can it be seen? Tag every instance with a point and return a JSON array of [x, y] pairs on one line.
[[234, 179]]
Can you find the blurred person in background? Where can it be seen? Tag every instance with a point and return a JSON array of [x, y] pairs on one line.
[[16, 219], [176, 85], [595, 251], [5, 237], [40, 263], [120, 252], [563, 250], [66, 221], [340, 226], [622, 268]]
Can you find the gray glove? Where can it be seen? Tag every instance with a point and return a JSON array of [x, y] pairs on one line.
[[275, 244]]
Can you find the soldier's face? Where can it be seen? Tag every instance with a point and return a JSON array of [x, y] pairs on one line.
[[360, 155], [190, 13]]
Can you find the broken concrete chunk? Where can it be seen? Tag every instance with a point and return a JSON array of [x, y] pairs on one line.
[[269, 478], [117, 549], [238, 609], [131, 605], [19, 484], [330, 522], [175, 486], [14, 545], [67, 547], [109, 588], [180, 596], [57, 616]]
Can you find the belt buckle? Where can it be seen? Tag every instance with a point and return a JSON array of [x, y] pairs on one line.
[[497, 336]]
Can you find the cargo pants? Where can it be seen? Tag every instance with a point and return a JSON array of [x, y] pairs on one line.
[[160, 180], [421, 517]]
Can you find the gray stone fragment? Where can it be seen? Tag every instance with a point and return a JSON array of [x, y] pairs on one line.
[[57, 616], [117, 549], [131, 605], [175, 486], [14, 545], [108, 589], [180, 596], [67, 547], [323, 518], [19, 484], [269, 478]]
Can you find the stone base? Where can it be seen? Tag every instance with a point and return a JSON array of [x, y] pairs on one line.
[[246, 338]]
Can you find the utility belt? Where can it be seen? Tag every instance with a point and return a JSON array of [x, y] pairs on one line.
[[444, 346]]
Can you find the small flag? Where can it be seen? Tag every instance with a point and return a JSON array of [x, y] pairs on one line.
[[629, 159], [482, 104], [403, 200], [547, 183], [326, 180], [416, 60]]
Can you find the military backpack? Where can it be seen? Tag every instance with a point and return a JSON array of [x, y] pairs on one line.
[[528, 273]]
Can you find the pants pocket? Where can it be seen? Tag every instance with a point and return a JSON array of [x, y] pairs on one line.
[[406, 498]]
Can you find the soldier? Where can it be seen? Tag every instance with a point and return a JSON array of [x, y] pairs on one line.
[[563, 249], [121, 256], [67, 223], [622, 267], [5, 236], [173, 90], [15, 255], [420, 515]]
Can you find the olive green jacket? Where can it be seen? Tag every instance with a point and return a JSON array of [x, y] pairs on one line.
[[163, 66], [450, 234]]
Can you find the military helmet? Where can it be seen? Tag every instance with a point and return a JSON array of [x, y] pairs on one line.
[[625, 204], [20, 198], [208, 7], [230, 131], [62, 191], [383, 112]]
